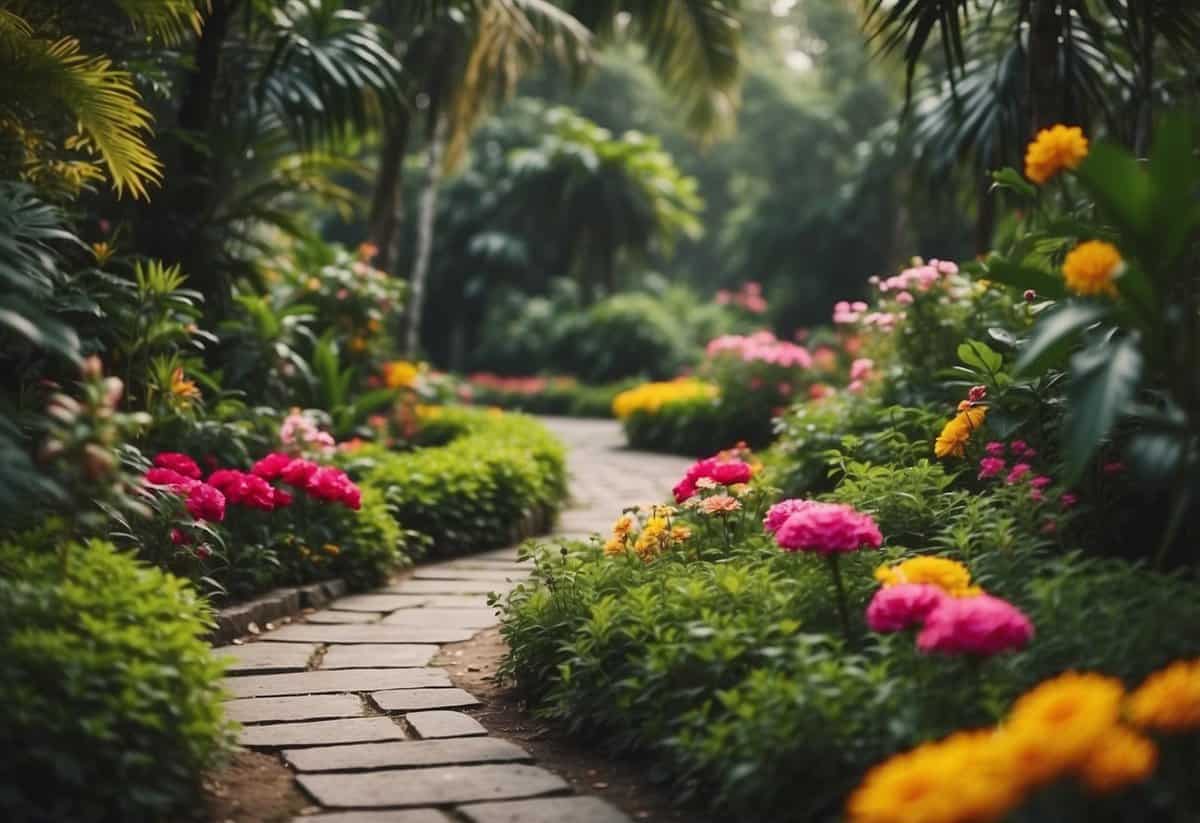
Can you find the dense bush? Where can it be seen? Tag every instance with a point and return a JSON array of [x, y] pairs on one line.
[[477, 491], [626, 335], [693, 427], [111, 698], [545, 395]]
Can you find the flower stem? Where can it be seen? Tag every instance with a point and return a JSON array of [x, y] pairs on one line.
[[843, 610]]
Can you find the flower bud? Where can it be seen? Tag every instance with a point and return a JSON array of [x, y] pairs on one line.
[[1030, 295]]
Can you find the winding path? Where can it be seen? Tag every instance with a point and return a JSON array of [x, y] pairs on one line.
[[372, 730]]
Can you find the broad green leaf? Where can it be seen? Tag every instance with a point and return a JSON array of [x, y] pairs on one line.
[[1104, 379], [981, 356], [1044, 284], [1054, 335], [1174, 175], [1120, 188], [1010, 178]]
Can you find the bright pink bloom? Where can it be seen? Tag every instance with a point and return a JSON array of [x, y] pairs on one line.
[[856, 387], [905, 298], [1114, 468], [1037, 495], [206, 503], [861, 368], [724, 472], [180, 538], [895, 608], [257, 493], [1018, 446], [990, 467], [981, 625], [828, 528], [351, 496], [170, 478], [270, 466], [178, 462], [778, 514], [229, 482], [731, 472], [1041, 481], [1068, 500], [994, 448], [297, 472], [1018, 472], [282, 499]]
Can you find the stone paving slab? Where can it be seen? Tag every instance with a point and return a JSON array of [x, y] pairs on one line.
[[396, 816], [338, 616], [433, 616], [374, 633], [448, 587], [267, 658], [376, 602], [431, 787], [415, 700], [308, 707], [544, 810], [451, 573], [406, 754], [342, 680], [373, 656], [457, 601], [437, 724], [493, 564], [321, 733]]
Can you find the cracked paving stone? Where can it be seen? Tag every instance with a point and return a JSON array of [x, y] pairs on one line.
[[405, 754], [545, 810], [374, 656], [343, 680], [439, 786], [321, 733], [415, 700], [435, 724], [373, 633], [307, 707]]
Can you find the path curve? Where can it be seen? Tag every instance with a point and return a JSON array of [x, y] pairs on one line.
[[372, 731]]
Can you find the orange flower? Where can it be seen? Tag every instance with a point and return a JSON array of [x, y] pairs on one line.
[[185, 390], [1054, 149], [1091, 267]]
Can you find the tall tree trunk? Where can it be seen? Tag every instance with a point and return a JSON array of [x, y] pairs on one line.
[[387, 201], [1045, 95], [426, 211]]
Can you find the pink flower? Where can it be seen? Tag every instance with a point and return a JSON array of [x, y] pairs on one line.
[[976, 394], [898, 607], [1068, 500], [1041, 481], [1036, 495], [731, 472], [180, 538], [995, 449], [905, 298], [1029, 453], [206, 503], [724, 472], [170, 478], [351, 496], [297, 472], [1018, 446], [281, 499], [270, 466], [856, 387], [178, 462], [1114, 468], [230, 483], [982, 625], [257, 493], [778, 514], [990, 467], [723, 297], [828, 528], [1018, 472], [1029, 295], [326, 483], [861, 368]]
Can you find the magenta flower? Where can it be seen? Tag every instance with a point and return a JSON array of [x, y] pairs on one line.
[[828, 528], [270, 466], [994, 449], [990, 467], [177, 462], [1041, 481], [982, 625], [895, 608], [1018, 446], [297, 472], [170, 478], [1018, 472], [778, 514], [724, 472], [206, 503], [1068, 500]]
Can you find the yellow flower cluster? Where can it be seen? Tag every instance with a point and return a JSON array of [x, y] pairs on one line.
[[657, 535], [948, 575], [401, 374], [1073, 725], [1091, 267], [957, 432], [651, 397], [1054, 149]]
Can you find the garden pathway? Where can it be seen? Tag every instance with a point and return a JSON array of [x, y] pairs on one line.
[[373, 732]]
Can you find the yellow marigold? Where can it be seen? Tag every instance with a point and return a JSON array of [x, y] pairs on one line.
[[651, 397], [102, 252], [1091, 267], [1056, 725], [653, 539], [957, 432], [949, 575], [614, 546], [1054, 149], [958, 780], [623, 526], [183, 389], [400, 374], [1121, 758], [1169, 699]]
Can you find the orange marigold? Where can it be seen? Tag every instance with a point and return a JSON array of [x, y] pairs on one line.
[[1054, 149], [1091, 267], [1121, 757], [1169, 699]]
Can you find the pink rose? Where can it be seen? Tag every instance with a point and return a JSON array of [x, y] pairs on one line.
[[178, 462], [731, 472], [990, 467], [270, 466], [297, 472], [895, 608], [170, 478]]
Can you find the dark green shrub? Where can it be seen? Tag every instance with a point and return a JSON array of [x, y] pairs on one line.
[[371, 544], [626, 335], [479, 490], [696, 428], [111, 696]]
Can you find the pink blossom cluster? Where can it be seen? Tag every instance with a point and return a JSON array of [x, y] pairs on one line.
[[821, 528], [721, 470], [519, 385], [748, 297], [298, 431], [918, 278], [763, 347], [995, 464], [861, 370], [980, 625], [207, 499], [845, 312]]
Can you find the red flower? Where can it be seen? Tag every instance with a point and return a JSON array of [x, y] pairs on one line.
[[229, 482], [177, 462], [270, 466], [327, 484], [172, 479], [351, 496], [206, 503], [258, 493], [180, 538], [282, 499], [297, 472]]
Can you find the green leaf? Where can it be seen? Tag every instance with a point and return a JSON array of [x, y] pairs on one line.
[[980, 356], [1045, 284], [1009, 178], [1054, 335], [1174, 175], [1104, 378], [1120, 188]]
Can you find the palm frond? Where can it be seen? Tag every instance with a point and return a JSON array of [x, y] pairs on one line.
[[169, 20]]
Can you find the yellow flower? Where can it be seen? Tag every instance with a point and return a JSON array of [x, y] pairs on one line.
[[653, 539], [961, 779], [102, 252], [357, 344], [330, 548], [623, 526], [1121, 757], [1169, 699], [651, 397], [185, 390], [1055, 726], [1054, 149], [949, 575], [313, 284], [739, 489], [955, 434], [680, 533], [400, 374], [1091, 267], [614, 546], [373, 325]]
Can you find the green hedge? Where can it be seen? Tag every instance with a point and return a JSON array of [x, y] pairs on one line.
[[478, 491], [567, 401], [111, 699], [696, 428]]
